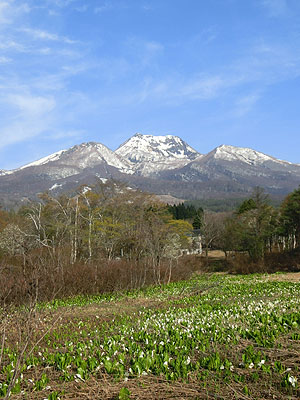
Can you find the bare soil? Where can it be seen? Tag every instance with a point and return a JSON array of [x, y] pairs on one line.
[[286, 277]]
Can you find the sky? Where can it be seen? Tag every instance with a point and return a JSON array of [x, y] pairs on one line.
[[211, 72]]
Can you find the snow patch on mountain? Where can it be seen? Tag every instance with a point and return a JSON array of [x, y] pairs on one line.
[[85, 189], [55, 186], [103, 180], [3, 172]]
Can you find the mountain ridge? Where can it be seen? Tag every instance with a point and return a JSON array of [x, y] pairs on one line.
[[166, 165]]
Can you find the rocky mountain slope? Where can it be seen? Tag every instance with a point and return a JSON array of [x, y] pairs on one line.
[[164, 165]]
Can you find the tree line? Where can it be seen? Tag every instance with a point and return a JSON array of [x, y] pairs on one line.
[[189, 212], [109, 237], [111, 220], [258, 228]]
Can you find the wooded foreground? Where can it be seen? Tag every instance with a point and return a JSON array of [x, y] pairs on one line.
[[111, 237]]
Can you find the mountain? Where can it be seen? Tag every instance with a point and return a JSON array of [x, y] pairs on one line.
[[62, 171], [245, 155], [165, 165], [70, 162], [243, 168], [151, 154]]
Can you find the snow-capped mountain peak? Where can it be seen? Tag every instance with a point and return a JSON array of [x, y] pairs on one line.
[[171, 164], [155, 148], [85, 155], [243, 154], [150, 154]]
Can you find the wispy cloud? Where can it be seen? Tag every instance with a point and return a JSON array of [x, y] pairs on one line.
[[262, 65], [142, 53], [83, 8], [112, 5], [245, 104], [275, 8], [147, 7], [74, 134], [105, 6], [50, 82], [32, 117], [35, 97], [38, 34], [74, 69], [10, 10], [61, 3], [29, 105], [11, 44], [172, 90], [5, 60], [269, 63], [4, 12], [204, 88]]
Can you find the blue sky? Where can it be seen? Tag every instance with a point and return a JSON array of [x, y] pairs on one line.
[[211, 72]]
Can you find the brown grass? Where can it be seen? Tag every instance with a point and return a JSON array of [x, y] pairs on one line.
[[241, 263], [150, 388], [287, 277], [219, 254]]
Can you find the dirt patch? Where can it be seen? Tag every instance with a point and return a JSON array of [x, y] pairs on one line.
[[107, 310], [288, 277], [157, 388], [218, 254]]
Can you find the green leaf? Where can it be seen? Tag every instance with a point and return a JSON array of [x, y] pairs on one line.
[[124, 394]]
